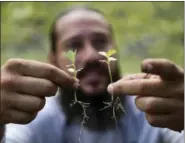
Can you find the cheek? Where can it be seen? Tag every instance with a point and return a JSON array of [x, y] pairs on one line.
[[79, 60], [62, 62]]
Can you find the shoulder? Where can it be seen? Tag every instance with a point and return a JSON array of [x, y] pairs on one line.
[[46, 123]]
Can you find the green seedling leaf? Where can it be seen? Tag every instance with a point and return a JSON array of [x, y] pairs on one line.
[[111, 52], [71, 55], [112, 59], [103, 54]]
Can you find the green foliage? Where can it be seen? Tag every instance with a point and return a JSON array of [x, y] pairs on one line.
[[71, 56], [115, 104], [111, 52], [142, 29]]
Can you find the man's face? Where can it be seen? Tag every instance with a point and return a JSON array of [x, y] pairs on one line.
[[88, 33]]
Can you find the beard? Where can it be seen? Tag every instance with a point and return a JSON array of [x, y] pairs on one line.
[[97, 119]]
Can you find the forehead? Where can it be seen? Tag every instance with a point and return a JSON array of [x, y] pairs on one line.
[[81, 21]]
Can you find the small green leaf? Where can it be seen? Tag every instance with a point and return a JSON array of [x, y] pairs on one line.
[[103, 54], [111, 52], [71, 55], [112, 59]]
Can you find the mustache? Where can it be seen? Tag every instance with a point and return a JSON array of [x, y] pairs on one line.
[[101, 68]]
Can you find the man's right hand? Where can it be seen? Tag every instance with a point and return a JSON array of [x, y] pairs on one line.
[[24, 86]]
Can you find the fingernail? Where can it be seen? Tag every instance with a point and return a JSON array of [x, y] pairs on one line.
[[110, 89]]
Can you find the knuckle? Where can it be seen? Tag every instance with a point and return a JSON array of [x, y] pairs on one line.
[[151, 120], [150, 105], [52, 88], [25, 121], [49, 88], [142, 86], [7, 117], [42, 103], [50, 72], [28, 119], [39, 104], [8, 80]]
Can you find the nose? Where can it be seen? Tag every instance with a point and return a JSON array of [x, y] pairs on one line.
[[89, 53]]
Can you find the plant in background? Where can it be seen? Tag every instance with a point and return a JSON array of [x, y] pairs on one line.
[[72, 69], [115, 102]]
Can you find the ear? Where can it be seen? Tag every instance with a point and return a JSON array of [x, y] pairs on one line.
[[52, 58]]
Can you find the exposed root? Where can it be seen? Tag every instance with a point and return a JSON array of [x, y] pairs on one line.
[[85, 117], [115, 105]]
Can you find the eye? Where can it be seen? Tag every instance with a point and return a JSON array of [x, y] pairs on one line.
[[99, 42], [75, 44]]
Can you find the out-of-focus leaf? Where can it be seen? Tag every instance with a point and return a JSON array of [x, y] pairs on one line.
[[112, 59], [111, 52], [103, 54], [70, 55], [103, 61]]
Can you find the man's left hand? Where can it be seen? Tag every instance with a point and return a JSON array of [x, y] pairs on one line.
[[159, 92]]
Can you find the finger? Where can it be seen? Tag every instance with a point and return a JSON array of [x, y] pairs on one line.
[[34, 86], [165, 68], [139, 76], [5, 98], [43, 70], [173, 121], [145, 87], [27, 103], [16, 116], [134, 76], [158, 105]]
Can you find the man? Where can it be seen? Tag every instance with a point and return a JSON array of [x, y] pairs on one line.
[[25, 84]]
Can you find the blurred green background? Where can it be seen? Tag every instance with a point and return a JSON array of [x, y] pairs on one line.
[[142, 30]]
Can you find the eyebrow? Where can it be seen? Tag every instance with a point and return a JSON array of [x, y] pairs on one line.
[[76, 35]]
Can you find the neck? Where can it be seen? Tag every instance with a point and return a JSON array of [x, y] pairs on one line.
[[97, 119]]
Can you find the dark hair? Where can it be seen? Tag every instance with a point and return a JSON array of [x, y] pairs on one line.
[[53, 35]]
